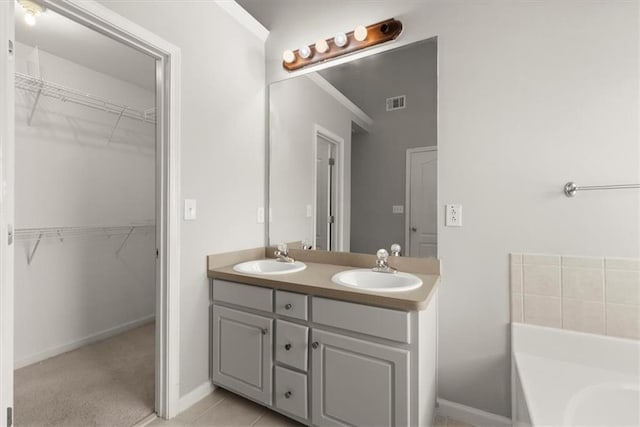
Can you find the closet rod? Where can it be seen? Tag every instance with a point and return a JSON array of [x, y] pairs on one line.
[[45, 88]]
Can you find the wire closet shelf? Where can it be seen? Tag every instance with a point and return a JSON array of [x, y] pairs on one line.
[[41, 87], [39, 234]]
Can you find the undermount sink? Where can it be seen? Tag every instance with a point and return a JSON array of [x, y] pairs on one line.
[[269, 267], [368, 280]]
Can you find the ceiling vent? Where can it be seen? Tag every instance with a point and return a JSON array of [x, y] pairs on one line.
[[397, 103]]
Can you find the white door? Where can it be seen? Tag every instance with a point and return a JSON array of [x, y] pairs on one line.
[[6, 208], [325, 195], [422, 207], [358, 383]]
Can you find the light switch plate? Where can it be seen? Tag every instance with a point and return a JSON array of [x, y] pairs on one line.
[[189, 209], [397, 209], [309, 211], [453, 217], [260, 215]]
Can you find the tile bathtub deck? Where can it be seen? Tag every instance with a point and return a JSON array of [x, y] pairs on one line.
[[222, 408]]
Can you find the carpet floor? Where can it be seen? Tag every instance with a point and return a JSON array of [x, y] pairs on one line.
[[108, 383]]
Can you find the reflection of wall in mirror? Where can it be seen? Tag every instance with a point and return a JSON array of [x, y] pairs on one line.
[[379, 156], [296, 106]]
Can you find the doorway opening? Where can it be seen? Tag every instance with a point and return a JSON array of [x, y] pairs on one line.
[[161, 228], [85, 226], [327, 189]]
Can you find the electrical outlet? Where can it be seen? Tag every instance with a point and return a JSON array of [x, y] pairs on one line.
[[453, 216], [260, 215], [397, 209], [309, 211]]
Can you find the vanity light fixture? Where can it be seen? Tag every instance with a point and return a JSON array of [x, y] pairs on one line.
[[288, 57], [360, 38], [304, 52], [340, 39], [360, 33], [32, 11], [322, 46]]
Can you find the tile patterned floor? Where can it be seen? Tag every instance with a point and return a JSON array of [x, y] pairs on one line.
[[225, 409]]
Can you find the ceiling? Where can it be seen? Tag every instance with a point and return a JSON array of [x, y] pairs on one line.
[[67, 39]]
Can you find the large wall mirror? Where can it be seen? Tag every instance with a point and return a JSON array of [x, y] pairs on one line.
[[353, 154]]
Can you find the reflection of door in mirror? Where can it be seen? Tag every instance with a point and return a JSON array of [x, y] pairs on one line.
[[422, 221], [325, 212]]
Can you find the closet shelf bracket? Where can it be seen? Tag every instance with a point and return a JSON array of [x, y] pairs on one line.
[[35, 104], [115, 126], [33, 251], [124, 242]]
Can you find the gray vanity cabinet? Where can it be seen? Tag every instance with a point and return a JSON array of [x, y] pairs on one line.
[[357, 382], [322, 361], [242, 355]]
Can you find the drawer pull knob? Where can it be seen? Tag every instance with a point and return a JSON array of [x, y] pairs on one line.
[[287, 347], [287, 395], [265, 331], [314, 345], [288, 307]]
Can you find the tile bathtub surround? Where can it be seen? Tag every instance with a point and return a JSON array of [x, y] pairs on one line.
[[587, 294]]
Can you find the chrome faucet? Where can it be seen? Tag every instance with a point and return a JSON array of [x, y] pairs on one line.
[[396, 249], [282, 253], [382, 263]]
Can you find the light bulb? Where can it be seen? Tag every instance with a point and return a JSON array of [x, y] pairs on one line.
[[340, 39], [322, 46], [304, 52], [288, 56], [30, 18], [360, 33]]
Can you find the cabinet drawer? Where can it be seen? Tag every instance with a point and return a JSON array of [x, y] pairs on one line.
[[245, 295], [375, 321], [291, 392], [291, 304], [292, 344]]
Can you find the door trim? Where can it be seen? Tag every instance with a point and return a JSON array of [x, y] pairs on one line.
[[407, 196], [105, 21], [7, 123], [319, 131]]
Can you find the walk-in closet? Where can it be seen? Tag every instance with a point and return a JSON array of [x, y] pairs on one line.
[[85, 232]]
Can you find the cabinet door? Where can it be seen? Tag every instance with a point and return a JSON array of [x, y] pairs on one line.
[[242, 352], [358, 383]]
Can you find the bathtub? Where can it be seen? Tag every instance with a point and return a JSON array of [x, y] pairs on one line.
[[566, 378]]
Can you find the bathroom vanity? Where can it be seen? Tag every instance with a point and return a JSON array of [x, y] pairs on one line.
[[324, 354]]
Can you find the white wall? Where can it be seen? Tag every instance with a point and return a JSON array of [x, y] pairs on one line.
[[222, 156], [67, 174], [292, 126], [531, 95]]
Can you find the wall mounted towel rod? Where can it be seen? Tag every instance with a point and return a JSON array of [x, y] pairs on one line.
[[571, 188]]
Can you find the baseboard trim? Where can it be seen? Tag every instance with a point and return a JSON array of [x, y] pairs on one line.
[[90, 339], [146, 420], [195, 395], [469, 415]]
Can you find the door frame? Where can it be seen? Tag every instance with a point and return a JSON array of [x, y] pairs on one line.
[[7, 123], [407, 196], [105, 21], [319, 131]]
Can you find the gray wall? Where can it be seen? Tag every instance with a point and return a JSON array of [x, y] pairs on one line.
[[378, 157], [222, 153], [531, 95]]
